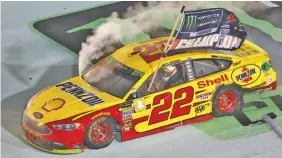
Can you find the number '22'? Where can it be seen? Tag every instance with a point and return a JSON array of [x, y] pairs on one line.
[[181, 107]]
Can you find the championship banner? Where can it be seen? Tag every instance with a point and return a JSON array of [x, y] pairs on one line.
[[214, 28]]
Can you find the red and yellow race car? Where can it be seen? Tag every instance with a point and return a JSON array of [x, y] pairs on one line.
[[136, 92]]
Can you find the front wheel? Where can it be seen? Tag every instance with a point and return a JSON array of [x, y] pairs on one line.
[[228, 100], [100, 133]]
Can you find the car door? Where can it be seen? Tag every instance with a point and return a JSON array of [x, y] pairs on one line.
[[209, 74], [166, 105]]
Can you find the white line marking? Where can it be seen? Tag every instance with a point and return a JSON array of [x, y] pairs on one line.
[[269, 4]]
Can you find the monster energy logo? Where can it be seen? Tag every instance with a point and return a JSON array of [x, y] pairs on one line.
[[191, 21]]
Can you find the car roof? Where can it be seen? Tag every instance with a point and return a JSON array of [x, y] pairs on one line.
[[138, 62]]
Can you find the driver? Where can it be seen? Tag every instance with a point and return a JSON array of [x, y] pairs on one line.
[[168, 72], [171, 76]]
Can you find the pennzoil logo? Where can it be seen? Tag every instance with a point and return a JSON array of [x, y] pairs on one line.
[[80, 93], [54, 104], [246, 75]]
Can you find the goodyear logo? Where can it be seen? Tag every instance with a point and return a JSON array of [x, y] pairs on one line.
[[246, 75], [100, 115]]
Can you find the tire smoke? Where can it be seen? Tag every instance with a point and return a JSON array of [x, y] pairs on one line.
[[137, 19]]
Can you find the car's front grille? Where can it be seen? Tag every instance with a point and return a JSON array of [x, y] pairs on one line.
[[48, 145], [42, 129]]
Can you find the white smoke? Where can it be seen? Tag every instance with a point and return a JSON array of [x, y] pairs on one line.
[[136, 20]]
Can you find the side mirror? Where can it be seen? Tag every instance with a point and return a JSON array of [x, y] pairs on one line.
[[134, 93]]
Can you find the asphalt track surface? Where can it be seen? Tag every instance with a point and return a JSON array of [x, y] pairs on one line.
[[30, 63]]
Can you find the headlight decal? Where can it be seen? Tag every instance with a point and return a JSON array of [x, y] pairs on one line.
[[67, 127]]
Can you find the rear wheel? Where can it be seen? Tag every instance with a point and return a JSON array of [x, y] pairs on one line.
[[228, 100], [100, 133]]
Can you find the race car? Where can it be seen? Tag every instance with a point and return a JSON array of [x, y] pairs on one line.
[[139, 91]]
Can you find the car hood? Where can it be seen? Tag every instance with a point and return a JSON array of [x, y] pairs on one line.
[[66, 99]]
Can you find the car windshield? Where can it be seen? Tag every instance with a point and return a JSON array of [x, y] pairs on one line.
[[112, 77]]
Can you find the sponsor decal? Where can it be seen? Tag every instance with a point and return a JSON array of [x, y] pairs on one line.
[[201, 23], [77, 146], [53, 104], [100, 115], [38, 115], [260, 85], [127, 115], [80, 93], [127, 126], [126, 104], [206, 83], [246, 75], [269, 80], [172, 62], [265, 67], [200, 108], [191, 21], [222, 57], [236, 63], [214, 40], [204, 96], [139, 105], [36, 134]]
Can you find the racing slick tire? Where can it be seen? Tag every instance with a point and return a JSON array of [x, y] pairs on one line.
[[100, 133], [227, 100]]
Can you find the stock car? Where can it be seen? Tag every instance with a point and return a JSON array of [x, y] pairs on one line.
[[113, 100]]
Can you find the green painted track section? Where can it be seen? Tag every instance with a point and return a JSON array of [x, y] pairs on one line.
[[31, 26], [221, 128], [229, 128]]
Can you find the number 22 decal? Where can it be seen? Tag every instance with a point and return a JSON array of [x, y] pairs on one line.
[[150, 52], [180, 107]]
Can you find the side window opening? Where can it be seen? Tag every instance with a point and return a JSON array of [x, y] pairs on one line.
[[167, 77], [204, 67]]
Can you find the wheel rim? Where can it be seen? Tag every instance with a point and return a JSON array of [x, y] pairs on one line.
[[101, 132], [227, 101]]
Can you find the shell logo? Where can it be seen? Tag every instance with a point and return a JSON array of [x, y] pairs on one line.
[[246, 75], [53, 104]]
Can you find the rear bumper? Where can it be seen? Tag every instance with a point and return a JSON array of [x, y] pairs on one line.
[[271, 86]]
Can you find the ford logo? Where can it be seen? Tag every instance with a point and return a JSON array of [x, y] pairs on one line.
[[38, 115]]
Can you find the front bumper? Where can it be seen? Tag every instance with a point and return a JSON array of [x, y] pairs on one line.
[[56, 141], [55, 151]]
